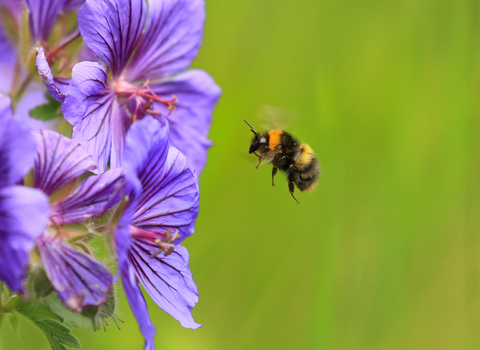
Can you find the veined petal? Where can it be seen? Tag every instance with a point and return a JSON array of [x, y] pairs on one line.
[[23, 217], [17, 149], [43, 16], [78, 279], [167, 279], [97, 120], [93, 197], [190, 123], [146, 149], [172, 38], [169, 199], [112, 29], [59, 161], [169, 194], [139, 306], [123, 239], [57, 87]]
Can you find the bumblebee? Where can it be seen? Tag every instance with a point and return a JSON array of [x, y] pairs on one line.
[[288, 154]]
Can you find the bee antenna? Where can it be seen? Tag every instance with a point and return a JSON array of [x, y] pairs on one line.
[[251, 127]]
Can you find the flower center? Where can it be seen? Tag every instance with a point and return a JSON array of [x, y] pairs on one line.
[[164, 241], [141, 98]]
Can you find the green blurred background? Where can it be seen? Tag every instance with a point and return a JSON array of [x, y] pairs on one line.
[[385, 254]]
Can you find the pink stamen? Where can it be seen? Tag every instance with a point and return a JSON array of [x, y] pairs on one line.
[[144, 97], [163, 240]]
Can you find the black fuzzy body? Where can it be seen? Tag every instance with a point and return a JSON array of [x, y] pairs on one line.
[[286, 155]]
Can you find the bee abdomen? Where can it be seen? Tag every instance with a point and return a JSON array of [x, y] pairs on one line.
[[305, 176]]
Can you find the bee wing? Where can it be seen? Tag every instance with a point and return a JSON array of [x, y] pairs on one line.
[[249, 158], [276, 118]]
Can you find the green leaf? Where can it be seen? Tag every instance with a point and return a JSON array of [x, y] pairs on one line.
[[57, 334], [70, 318], [50, 323], [13, 318], [36, 311], [48, 111], [41, 283]]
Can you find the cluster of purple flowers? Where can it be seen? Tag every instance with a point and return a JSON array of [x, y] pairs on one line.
[[138, 120]]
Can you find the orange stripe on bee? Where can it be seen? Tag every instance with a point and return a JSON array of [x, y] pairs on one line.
[[274, 138]]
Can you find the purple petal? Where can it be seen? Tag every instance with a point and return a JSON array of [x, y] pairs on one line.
[[147, 143], [172, 38], [43, 16], [78, 279], [72, 5], [59, 161], [14, 8], [17, 150], [8, 60], [190, 123], [93, 197], [97, 120], [147, 147], [167, 279], [23, 216], [112, 29], [123, 239], [5, 107], [139, 307], [86, 54], [57, 88], [169, 199]]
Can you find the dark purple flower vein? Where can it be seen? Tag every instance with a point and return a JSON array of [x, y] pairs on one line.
[[147, 192], [140, 271], [120, 32], [140, 216], [52, 262], [160, 24], [144, 177], [140, 245], [165, 185], [44, 164], [143, 219], [188, 33], [66, 263], [106, 115], [84, 282], [152, 245], [87, 195], [63, 161]]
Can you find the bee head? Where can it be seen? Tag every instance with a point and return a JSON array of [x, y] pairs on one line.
[[257, 140]]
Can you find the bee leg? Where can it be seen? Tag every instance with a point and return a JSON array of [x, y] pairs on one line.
[[259, 161], [291, 188], [274, 171]]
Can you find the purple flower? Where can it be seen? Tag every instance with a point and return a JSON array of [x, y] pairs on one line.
[[57, 87], [77, 277], [43, 15], [161, 213], [145, 76], [23, 211]]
